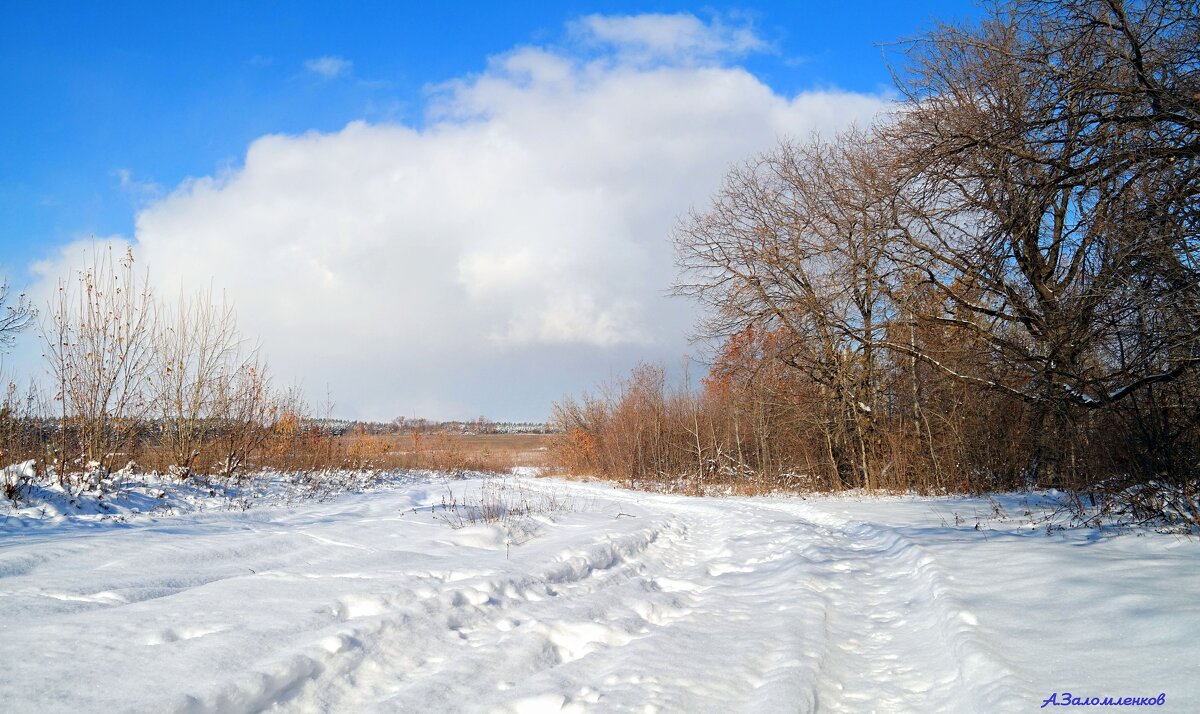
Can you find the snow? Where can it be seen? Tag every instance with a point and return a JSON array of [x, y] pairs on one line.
[[600, 599]]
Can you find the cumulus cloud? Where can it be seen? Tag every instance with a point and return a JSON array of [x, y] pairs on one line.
[[328, 66], [513, 249]]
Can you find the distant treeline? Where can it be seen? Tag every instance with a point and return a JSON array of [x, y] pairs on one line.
[[482, 425]]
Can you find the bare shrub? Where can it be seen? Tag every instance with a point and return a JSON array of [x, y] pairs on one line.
[[198, 359], [99, 347], [23, 428], [498, 501], [250, 413]]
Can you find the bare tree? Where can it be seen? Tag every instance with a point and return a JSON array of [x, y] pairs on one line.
[[1052, 165], [98, 341], [13, 318], [799, 241], [198, 353], [14, 412]]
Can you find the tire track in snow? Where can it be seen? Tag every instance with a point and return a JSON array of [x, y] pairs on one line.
[[364, 659], [781, 608], [874, 627], [897, 639], [695, 605]]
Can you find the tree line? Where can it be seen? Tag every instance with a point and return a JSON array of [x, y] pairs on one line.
[[994, 285]]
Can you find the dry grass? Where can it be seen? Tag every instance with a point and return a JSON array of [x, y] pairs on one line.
[[520, 449], [442, 451], [312, 450]]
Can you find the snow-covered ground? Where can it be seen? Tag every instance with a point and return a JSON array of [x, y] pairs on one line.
[[610, 600]]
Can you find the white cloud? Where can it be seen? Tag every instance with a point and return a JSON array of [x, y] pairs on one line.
[[513, 250], [328, 66], [680, 37], [138, 190]]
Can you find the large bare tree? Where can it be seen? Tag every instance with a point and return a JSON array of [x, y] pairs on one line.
[[799, 241], [1051, 165], [1052, 159]]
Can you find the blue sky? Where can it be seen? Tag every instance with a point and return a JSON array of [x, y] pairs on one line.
[[111, 108]]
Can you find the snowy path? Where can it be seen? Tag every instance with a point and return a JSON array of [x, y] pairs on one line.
[[633, 602]]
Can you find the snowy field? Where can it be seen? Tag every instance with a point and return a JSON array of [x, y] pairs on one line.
[[610, 600]]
